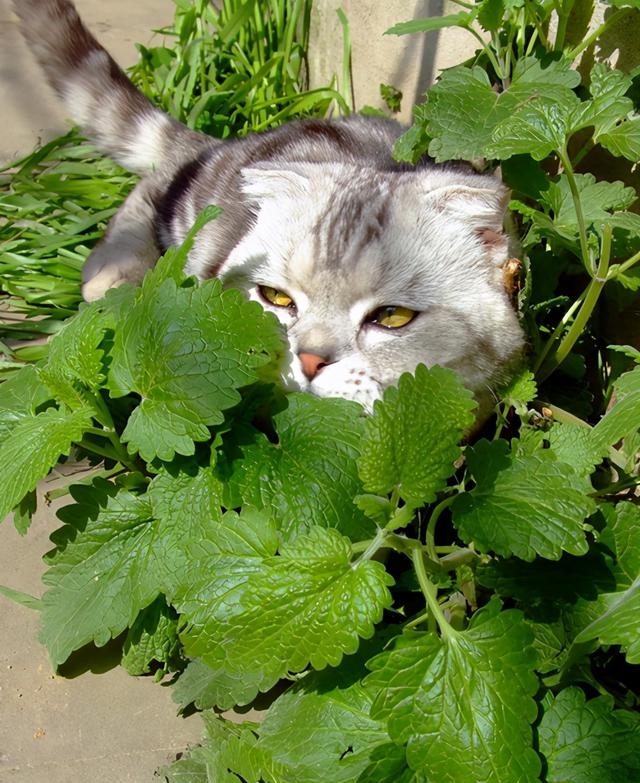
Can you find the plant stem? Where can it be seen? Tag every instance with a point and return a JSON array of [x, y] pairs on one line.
[[431, 594], [563, 9], [620, 269], [577, 204], [594, 289], [370, 547], [557, 332], [430, 533]]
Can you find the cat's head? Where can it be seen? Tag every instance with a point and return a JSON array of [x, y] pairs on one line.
[[373, 273]]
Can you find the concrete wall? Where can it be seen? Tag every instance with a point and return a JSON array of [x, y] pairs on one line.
[[411, 63]]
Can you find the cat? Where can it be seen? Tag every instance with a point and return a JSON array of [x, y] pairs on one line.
[[372, 266]]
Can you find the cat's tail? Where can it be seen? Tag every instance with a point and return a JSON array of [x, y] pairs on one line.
[[111, 112]]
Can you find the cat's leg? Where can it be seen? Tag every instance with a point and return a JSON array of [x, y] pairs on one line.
[[129, 247]]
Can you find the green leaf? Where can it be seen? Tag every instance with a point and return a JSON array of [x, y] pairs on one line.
[[20, 397], [490, 14], [101, 573], [588, 741], [18, 597], [185, 500], [117, 551], [467, 119], [152, 641], [608, 104], [228, 754], [335, 737], [412, 440], [309, 477], [523, 505], [248, 609], [623, 419], [624, 139], [206, 687], [460, 115], [619, 612], [33, 447], [576, 446], [539, 128], [463, 703], [75, 357], [461, 19], [181, 351], [597, 200]]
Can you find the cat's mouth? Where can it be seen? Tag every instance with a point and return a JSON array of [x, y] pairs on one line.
[[345, 378]]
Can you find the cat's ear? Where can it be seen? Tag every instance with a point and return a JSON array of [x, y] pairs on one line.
[[483, 208], [262, 182]]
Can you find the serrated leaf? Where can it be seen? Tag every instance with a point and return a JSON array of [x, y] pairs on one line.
[[460, 114], [523, 505], [20, 397], [588, 741], [100, 574], [597, 200], [546, 584], [577, 446], [206, 688], [412, 440], [539, 129], [152, 641], [33, 447], [463, 703], [608, 104], [465, 116], [623, 418], [618, 613], [227, 754], [181, 351], [24, 511], [461, 19], [310, 476], [623, 140], [334, 738], [117, 551], [247, 608], [74, 355], [490, 14]]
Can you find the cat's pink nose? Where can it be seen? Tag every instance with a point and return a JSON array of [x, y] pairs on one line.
[[312, 364]]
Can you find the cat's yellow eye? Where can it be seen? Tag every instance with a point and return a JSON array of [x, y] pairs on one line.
[[277, 298], [392, 316]]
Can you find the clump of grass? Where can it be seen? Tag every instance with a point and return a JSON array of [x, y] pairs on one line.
[[224, 72]]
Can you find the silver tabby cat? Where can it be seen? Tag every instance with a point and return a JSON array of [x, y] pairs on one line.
[[373, 267]]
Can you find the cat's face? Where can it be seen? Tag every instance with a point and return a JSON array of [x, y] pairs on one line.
[[374, 273]]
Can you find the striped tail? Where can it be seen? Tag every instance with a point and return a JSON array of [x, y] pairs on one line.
[[99, 97]]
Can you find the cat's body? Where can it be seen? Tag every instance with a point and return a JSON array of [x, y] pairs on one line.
[[373, 267]]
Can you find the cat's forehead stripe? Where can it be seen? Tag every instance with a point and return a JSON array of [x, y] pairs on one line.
[[353, 219]]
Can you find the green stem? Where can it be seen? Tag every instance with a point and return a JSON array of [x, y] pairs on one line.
[[430, 533], [563, 9], [620, 269], [371, 546], [577, 204], [431, 594], [594, 289], [558, 331], [497, 67]]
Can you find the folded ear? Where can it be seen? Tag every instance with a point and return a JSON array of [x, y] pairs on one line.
[[481, 204], [268, 181]]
